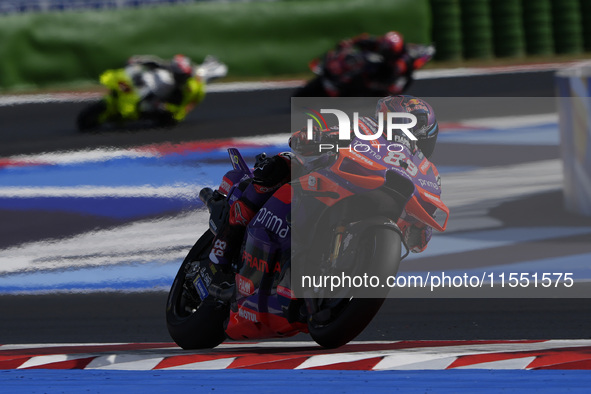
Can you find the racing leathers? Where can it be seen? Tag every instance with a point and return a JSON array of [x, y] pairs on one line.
[[165, 87], [366, 66], [270, 173]]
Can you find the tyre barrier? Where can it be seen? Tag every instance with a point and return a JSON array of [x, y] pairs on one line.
[[508, 34], [510, 28], [476, 29], [537, 24], [447, 29], [566, 23], [586, 23]]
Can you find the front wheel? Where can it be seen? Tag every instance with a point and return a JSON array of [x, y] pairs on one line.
[[192, 323], [89, 118], [339, 321], [313, 88]]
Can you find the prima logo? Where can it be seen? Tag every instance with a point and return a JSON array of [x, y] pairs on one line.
[[428, 183], [365, 134], [272, 222]]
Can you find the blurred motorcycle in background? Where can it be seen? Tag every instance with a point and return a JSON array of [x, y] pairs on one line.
[[149, 92], [350, 71]]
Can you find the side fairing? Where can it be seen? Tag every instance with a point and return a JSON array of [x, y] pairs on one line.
[[263, 294]]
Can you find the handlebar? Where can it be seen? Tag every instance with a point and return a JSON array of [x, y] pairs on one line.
[[217, 206]]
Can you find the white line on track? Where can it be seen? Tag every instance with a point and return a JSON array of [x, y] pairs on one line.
[[149, 241], [182, 191], [166, 240]]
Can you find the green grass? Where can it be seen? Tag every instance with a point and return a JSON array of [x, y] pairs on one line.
[[260, 39]]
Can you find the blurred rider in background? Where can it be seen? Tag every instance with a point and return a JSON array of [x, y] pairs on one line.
[[368, 66], [161, 82], [271, 173]]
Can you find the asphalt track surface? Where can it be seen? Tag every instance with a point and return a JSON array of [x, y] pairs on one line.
[[115, 317]]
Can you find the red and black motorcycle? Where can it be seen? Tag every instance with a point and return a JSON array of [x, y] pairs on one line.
[[347, 71]]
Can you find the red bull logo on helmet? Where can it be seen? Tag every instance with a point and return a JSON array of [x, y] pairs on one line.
[[415, 104]]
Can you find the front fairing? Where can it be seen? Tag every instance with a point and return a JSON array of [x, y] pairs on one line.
[[363, 166], [123, 97]]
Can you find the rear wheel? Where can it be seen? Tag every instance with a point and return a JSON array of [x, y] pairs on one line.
[[192, 323], [339, 321]]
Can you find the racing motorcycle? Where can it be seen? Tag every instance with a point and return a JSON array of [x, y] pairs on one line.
[[341, 213], [128, 86], [364, 81]]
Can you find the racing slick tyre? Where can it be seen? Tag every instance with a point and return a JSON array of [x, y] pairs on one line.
[[341, 320], [193, 323], [89, 118]]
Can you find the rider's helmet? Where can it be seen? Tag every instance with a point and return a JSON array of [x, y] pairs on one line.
[[425, 130], [391, 44], [181, 67]]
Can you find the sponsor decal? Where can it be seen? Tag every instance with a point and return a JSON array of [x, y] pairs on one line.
[[248, 315], [312, 183], [238, 217], [431, 197], [272, 222], [264, 189], [244, 285], [205, 276], [225, 186], [418, 105], [201, 288], [403, 141], [428, 183], [424, 166], [285, 292], [258, 263]]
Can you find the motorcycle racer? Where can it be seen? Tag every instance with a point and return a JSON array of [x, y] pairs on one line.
[[416, 234], [270, 173], [368, 65], [150, 91], [165, 87]]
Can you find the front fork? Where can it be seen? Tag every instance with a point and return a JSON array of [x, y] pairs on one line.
[[313, 305]]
